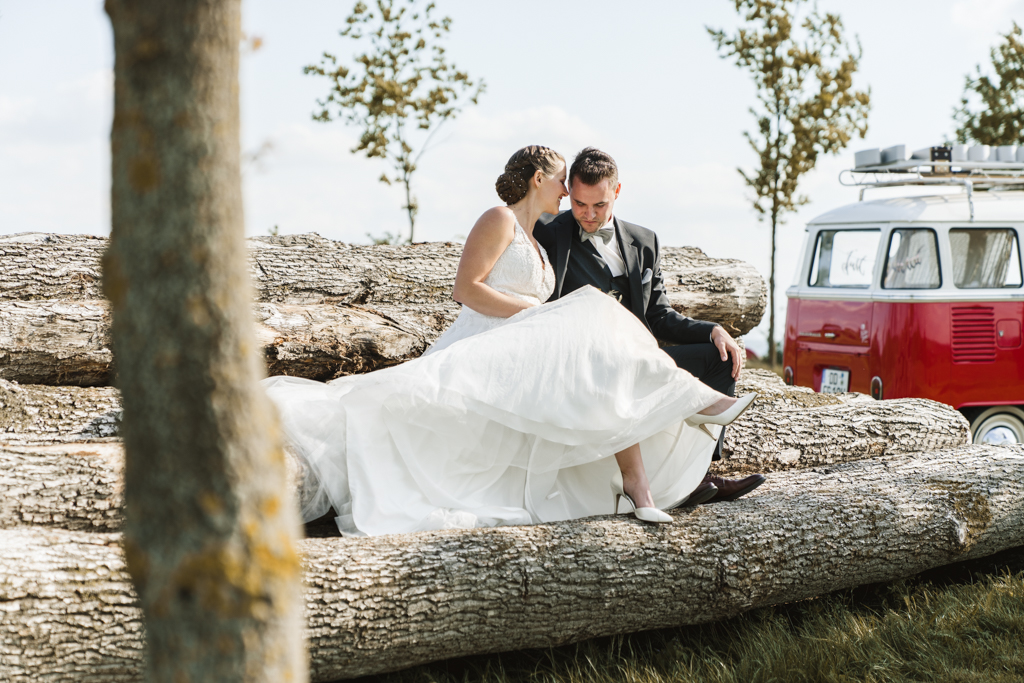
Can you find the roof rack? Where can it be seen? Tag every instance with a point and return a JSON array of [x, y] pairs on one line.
[[978, 167]]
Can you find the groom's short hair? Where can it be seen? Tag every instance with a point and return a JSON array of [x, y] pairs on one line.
[[591, 166]]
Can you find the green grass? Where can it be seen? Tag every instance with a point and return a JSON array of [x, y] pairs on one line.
[[958, 625]]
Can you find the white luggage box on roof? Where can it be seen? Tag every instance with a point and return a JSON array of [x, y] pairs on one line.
[[867, 157], [978, 153], [894, 153]]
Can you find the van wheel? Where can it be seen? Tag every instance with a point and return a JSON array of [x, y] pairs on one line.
[[998, 426]]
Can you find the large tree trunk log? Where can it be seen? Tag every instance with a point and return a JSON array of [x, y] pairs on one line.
[[389, 602], [811, 437], [324, 308], [76, 487], [79, 487], [325, 341], [304, 269], [68, 343], [34, 414], [40, 414], [55, 342], [725, 291], [794, 427], [69, 612]]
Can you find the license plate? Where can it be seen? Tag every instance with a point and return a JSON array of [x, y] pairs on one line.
[[835, 381]]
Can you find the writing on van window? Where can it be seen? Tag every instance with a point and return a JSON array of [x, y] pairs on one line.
[[903, 266], [913, 260], [844, 258], [985, 258], [854, 264]]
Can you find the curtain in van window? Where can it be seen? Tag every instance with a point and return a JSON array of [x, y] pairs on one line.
[[913, 260], [985, 258]]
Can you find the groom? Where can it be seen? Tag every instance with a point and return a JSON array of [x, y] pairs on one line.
[[588, 245]]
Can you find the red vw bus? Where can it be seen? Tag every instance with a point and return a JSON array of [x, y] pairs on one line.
[[918, 296]]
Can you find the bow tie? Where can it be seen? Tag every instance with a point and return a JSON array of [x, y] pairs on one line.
[[603, 234]]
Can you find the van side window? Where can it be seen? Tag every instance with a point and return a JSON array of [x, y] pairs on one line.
[[985, 258], [844, 258], [913, 260]]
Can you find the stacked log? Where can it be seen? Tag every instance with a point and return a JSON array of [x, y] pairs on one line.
[[796, 427], [389, 602], [36, 414], [53, 481], [323, 309], [859, 490]]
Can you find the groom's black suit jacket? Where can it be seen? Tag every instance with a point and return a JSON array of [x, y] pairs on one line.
[[639, 248]]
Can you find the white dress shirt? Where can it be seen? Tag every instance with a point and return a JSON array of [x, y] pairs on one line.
[[610, 252]]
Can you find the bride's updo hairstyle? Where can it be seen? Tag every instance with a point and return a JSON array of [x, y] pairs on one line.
[[513, 184]]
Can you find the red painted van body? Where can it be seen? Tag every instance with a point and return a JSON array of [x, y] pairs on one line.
[[910, 298]]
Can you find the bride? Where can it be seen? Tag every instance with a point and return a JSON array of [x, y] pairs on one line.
[[519, 413]]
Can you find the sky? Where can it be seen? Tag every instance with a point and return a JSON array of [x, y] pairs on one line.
[[643, 81]]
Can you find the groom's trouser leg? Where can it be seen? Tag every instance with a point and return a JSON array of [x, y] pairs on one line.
[[704, 362]]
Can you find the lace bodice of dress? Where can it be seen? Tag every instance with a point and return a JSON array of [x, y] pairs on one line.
[[521, 271]]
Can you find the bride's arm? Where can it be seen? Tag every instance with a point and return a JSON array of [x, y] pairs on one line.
[[487, 240]]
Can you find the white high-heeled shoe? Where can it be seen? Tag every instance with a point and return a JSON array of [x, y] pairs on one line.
[[644, 514], [723, 418]]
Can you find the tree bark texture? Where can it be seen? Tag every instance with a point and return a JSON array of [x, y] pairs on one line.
[[210, 522], [34, 414], [303, 269], [69, 486], [795, 427], [68, 342], [55, 342], [389, 602], [726, 291]]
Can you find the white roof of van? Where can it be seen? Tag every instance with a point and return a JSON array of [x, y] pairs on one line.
[[1000, 206]]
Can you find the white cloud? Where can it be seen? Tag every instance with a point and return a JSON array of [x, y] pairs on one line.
[[983, 19], [95, 88], [15, 110], [55, 175], [312, 182]]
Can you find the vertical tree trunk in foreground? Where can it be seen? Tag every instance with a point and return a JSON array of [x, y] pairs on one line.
[[210, 527]]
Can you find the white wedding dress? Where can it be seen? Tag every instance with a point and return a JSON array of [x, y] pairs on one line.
[[502, 421]]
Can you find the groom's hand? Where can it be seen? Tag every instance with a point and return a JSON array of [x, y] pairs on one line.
[[726, 345]]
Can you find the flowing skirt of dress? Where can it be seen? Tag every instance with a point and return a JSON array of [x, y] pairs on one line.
[[515, 425]]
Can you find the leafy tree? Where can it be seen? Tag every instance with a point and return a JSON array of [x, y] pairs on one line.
[[400, 90], [210, 524], [806, 104], [991, 111]]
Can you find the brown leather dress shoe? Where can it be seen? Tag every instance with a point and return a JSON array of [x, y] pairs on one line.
[[704, 492], [731, 489]]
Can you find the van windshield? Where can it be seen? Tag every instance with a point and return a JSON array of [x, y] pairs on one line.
[[844, 258], [985, 258]]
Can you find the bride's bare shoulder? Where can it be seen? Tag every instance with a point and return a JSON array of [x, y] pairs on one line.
[[498, 224], [498, 216]]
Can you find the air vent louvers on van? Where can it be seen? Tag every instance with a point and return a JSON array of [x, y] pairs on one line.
[[974, 334]]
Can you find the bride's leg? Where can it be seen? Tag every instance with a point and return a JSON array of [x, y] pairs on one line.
[[634, 476]]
